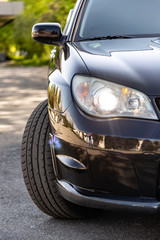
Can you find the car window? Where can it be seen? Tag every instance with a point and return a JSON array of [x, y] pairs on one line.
[[122, 17]]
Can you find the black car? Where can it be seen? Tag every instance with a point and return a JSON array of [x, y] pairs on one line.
[[95, 143]]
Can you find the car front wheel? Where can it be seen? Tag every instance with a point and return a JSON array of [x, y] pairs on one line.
[[38, 169]]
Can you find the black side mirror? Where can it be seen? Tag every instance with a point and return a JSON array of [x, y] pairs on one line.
[[48, 33]]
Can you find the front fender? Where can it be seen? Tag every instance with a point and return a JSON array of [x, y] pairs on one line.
[[59, 94]]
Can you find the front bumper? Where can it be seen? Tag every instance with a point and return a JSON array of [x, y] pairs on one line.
[[89, 199], [120, 158]]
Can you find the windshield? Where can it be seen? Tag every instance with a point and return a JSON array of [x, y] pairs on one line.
[[123, 17]]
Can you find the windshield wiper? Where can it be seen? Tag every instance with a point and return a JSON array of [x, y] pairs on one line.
[[110, 37]]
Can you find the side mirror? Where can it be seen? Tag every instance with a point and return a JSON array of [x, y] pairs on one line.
[[48, 33]]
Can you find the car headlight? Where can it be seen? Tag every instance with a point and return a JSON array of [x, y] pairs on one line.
[[105, 99]]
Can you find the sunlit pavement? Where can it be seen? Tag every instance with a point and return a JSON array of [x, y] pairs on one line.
[[21, 89]]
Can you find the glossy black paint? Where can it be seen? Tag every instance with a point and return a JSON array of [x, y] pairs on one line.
[[126, 55], [117, 162], [121, 155], [48, 33]]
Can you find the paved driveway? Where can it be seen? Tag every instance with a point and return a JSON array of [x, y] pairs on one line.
[[21, 89]]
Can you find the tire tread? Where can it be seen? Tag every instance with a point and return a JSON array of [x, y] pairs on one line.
[[38, 170]]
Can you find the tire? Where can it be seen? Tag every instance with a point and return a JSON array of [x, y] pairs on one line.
[[38, 169]]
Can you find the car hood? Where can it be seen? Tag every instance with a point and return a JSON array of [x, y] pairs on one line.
[[131, 62]]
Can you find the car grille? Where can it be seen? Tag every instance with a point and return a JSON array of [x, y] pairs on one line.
[[158, 103]]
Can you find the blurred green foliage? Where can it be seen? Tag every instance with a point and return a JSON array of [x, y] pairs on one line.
[[15, 38]]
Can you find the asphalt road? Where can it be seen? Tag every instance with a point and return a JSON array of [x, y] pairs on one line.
[[21, 89]]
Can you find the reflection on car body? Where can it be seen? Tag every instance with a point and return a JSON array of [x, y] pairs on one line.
[[104, 104]]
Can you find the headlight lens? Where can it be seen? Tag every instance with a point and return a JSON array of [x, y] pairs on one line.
[[105, 99]]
